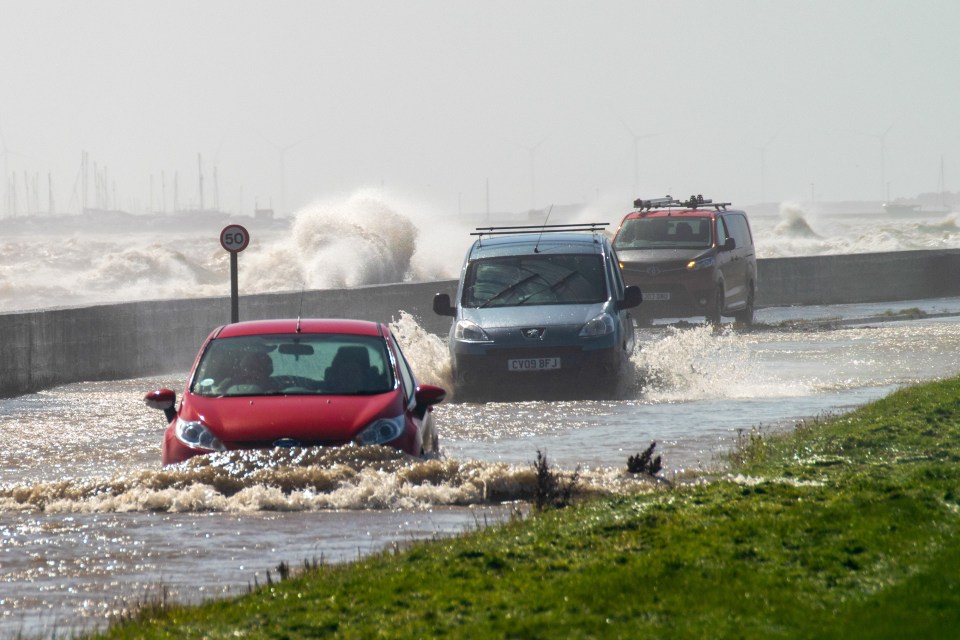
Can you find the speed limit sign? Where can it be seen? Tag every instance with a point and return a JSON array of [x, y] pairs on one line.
[[234, 238]]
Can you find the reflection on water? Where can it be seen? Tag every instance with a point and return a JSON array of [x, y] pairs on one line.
[[65, 573]]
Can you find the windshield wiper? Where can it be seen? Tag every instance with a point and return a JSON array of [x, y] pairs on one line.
[[511, 288], [562, 280], [552, 287]]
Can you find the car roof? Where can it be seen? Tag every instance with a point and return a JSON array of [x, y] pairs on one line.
[[306, 325], [528, 243]]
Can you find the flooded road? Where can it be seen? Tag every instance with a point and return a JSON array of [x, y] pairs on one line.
[[90, 524]]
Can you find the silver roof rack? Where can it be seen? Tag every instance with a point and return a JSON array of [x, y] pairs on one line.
[[667, 202], [592, 227]]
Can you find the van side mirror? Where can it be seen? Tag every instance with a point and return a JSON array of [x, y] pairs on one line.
[[729, 245], [442, 306], [631, 297]]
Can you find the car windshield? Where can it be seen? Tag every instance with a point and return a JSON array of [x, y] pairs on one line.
[[664, 233], [534, 280], [294, 364]]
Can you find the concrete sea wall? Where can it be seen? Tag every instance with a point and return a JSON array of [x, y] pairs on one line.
[[862, 277], [41, 349]]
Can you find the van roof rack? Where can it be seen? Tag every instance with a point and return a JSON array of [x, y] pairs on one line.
[[592, 227], [667, 202]]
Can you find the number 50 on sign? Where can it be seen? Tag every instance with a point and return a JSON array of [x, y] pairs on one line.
[[234, 238]]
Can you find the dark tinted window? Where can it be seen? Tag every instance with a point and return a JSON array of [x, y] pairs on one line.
[[722, 232], [301, 364], [738, 227], [664, 233]]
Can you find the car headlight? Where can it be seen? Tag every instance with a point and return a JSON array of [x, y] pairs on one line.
[[380, 431], [468, 331], [702, 263], [599, 326], [195, 434]]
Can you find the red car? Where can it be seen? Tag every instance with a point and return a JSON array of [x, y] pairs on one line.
[[292, 383]]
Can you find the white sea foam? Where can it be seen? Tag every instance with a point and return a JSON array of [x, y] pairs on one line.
[[799, 231], [366, 237], [363, 238]]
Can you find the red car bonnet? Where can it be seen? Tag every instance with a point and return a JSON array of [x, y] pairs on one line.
[[257, 418]]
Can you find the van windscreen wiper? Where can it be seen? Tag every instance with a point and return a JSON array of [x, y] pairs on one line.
[[511, 288]]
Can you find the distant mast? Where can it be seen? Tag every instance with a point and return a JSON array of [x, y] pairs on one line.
[[943, 186], [200, 166]]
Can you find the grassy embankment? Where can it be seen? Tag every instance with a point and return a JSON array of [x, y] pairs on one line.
[[848, 528]]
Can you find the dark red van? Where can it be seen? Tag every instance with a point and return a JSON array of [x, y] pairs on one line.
[[692, 258]]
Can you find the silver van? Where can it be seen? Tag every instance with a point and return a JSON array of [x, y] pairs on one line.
[[539, 312]]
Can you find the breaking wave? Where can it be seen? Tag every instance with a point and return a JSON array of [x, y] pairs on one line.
[[794, 224], [338, 244], [799, 231], [362, 238]]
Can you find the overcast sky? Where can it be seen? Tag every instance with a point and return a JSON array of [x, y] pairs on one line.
[[538, 102]]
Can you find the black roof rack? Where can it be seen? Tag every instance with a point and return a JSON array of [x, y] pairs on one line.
[[667, 202], [592, 227]]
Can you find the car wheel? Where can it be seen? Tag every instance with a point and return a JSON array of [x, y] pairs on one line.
[[715, 311], [746, 315]]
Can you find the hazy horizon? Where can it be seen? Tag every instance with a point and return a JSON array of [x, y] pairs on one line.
[[469, 105]]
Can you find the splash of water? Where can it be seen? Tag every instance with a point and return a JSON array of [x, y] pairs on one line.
[[701, 363], [363, 238], [366, 237], [427, 353], [794, 223], [304, 479]]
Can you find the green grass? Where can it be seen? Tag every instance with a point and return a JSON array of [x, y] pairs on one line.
[[847, 528]]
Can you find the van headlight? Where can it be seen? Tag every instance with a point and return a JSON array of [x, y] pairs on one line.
[[468, 331], [702, 263], [380, 431], [600, 326], [196, 435]]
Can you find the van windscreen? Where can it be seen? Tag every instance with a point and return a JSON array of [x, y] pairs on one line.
[[534, 280], [664, 233]]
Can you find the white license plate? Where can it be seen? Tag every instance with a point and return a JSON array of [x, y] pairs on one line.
[[656, 296], [533, 364]]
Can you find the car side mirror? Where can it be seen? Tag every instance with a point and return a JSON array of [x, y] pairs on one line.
[[631, 297], [164, 400], [730, 244], [427, 395], [442, 306]]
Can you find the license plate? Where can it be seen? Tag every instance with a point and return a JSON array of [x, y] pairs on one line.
[[533, 364], [656, 296]]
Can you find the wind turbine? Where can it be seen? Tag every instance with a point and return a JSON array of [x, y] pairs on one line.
[[5, 152], [636, 153], [882, 137], [282, 153], [4, 204], [533, 186], [763, 165]]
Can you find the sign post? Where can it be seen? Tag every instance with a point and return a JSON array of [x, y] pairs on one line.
[[234, 238]]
